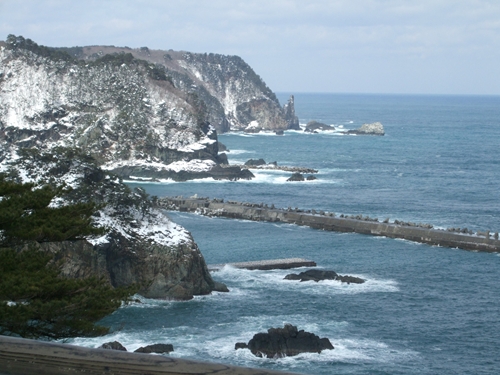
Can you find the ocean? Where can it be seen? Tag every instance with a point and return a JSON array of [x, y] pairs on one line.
[[422, 310]]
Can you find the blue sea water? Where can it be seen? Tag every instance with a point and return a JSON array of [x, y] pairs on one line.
[[423, 309]]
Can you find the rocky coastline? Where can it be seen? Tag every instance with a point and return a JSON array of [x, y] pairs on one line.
[[31, 357]]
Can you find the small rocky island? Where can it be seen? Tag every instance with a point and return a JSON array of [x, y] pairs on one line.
[[375, 128], [319, 275], [314, 126], [284, 342]]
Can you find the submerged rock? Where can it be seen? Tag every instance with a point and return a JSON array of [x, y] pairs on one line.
[[318, 275], [286, 341]]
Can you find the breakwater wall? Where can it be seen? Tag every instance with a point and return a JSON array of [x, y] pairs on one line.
[[480, 241]]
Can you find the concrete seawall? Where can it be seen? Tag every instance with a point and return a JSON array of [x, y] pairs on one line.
[[327, 221]]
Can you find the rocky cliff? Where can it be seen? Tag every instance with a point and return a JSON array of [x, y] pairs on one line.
[[140, 246], [136, 116], [236, 98]]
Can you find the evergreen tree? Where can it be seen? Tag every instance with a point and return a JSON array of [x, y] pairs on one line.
[[34, 300], [26, 214]]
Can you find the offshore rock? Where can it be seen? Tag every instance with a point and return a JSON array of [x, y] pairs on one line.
[[296, 177], [290, 116], [375, 128], [255, 162], [156, 348], [286, 341], [113, 345], [314, 126], [318, 275]]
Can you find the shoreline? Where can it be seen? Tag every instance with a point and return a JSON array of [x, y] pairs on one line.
[[32, 357], [426, 234]]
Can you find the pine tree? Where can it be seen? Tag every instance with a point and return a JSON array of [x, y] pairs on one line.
[[35, 301], [26, 214]]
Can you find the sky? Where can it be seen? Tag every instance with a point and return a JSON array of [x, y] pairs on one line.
[[338, 46]]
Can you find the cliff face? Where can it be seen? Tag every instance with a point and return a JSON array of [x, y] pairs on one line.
[[234, 95], [140, 246], [125, 112]]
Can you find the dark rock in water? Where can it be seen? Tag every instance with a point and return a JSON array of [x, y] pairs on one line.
[[113, 345], [311, 178], [286, 341], [220, 287], [314, 275], [255, 162], [279, 132], [290, 117], [350, 279], [296, 177], [240, 345], [156, 348], [318, 275], [314, 126]]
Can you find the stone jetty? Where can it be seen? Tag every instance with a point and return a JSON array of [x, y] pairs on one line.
[[268, 264], [422, 233]]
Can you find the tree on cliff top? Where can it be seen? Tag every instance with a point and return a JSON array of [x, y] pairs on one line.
[[26, 214], [35, 301]]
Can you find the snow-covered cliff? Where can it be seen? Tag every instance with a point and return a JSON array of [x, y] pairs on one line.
[[234, 95], [123, 111], [140, 246]]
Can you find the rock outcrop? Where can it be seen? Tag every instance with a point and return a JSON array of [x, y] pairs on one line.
[[290, 116], [286, 341], [140, 246], [375, 128], [318, 275], [314, 126], [255, 162], [113, 345], [155, 348], [296, 177]]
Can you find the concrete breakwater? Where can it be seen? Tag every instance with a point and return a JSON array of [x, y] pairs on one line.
[[269, 264], [422, 233]]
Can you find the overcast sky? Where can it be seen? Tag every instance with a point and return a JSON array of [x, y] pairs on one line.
[[345, 46]]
